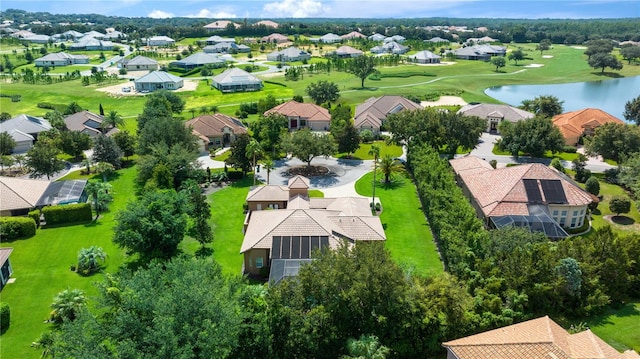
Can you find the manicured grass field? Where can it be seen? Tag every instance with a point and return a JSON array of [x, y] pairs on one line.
[[409, 237], [363, 152], [41, 269], [565, 156]]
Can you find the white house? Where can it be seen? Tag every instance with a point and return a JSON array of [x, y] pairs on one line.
[[160, 41]]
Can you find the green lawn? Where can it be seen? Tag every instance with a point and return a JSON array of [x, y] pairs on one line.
[[41, 269], [565, 156], [363, 152], [409, 237]]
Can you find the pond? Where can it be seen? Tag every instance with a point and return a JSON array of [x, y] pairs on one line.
[[607, 95]]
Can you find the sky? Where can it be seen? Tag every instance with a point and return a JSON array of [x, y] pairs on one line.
[[273, 9]]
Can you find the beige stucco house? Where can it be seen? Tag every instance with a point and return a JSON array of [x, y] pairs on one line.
[[303, 115], [215, 130]]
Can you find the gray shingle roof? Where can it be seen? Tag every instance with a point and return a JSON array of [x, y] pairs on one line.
[[200, 59], [158, 77], [236, 76], [25, 123]]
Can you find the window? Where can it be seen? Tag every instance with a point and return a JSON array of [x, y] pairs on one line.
[[555, 213], [575, 213], [259, 262], [303, 122], [563, 220], [582, 212], [274, 206], [573, 221]]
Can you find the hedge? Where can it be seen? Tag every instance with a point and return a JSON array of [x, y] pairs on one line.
[[35, 214], [5, 316], [17, 227], [68, 213]]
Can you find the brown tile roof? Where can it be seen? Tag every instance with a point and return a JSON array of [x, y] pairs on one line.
[[572, 124], [490, 110], [20, 193], [212, 125], [298, 182], [347, 50], [308, 111], [220, 25], [267, 23], [538, 338], [496, 191], [353, 35], [268, 193], [274, 37], [375, 110]]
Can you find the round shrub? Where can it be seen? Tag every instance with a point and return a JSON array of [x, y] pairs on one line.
[[17, 227], [592, 186], [620, 204], [366, 136], [5, 316]]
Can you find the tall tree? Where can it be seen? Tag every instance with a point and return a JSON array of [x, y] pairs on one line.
[[56, 119], [619, 204], [238, 157], [323, 92], [516, 55], [632, 110], [306, 145], [7, 143], [153, 225], [100, 196], [367, 347], [543, 106], [630, 53], [603, 60], [74, 143], [72, 108], [498, 62], [614, 141], [346, 135], [269, 166], [254, 151], [389, 166], [111, 120], [375, 152], [544, 45], [600, 46], [533, 136], [269, 130], [105, 149], [362, 67], [200, 212], [126, 142], [42, 160]]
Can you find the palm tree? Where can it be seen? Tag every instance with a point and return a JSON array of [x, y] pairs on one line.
[[45, 342], [90, 259], [20, 160], [375, 152], [389, 166], [104, 168], [268, 166], [67, 304], [99, 191], [72, 108], [87, 162], [111, 120], [253, 150], [367, 347]]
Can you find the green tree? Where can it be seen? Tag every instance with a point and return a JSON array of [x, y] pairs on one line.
[[570, 276], [4, 116], [323, 92], [614, 141], [29, 57], [200, 212], [557, 164], [306, 145], [619, 204], [375, 152], [630, 53], [42, 160], [604, 60], [167, 131], [388, 166], [254, 151], [268, 130], [67, 305], [516, 55], [498, 62], [72, 108], [267, 103], [90, 259], [269, 166], [56, 119], [533, 136], [632, 110], [592, 186], [579, 166], [126, 142], [346, 136], [104, 168], [7, 143], [153, 225], [629, 174], [176, 161], [105, 149], [367, 347], [600, 46], [74, 143], [100, 196], [362, 67], [6, 161], [543, 106], [111, 120], [20, 160], [544, 45]]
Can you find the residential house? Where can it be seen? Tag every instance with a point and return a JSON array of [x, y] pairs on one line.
[[284, 238], [532, 196], [215, 39], [425, 57], [288, 55], [198, 59], [5, 266], [60, 59], [371, 114], [72, 35], [482, 40], [18, 196], [236, 80], [91, 44], [437, 40], [495, 114], [330, 38], [21, 34], [25, 130], [226, 47], [480, 52], [87, 122], [303, 115], [353, 35], [114, 35], [94, 34], [38, 39], [138, 63], [158, 80], [267, 23], [573, 125], [275, 38], [160, 41], [536, 338], [216, 130], [377, 37], [395, 38], [220, 25], [390, 47], [346, 51]]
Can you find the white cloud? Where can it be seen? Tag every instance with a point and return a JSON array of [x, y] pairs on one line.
[[294, 8], [214, 15], [159, 14]]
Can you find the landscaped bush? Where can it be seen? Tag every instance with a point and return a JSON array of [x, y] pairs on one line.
[[592, 186], [80, 212], [51, 106], [366, 136], [569, 149], [17, 227], [5, 316], [35, 214]]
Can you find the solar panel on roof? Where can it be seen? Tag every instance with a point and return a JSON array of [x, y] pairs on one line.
[[286, 247], [295, 247], [533, 191], [553, 191], [276, 247]]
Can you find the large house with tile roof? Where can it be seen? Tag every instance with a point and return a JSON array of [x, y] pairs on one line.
[[345, 51], [289, 54], [198, 59], [89, 123], [267, 23], [216, 130], [158, 80], [303, 115], [425, 57], [536, 338], [575, 124], [494, 114], [371, 114], [24, 129], [275, 38], [60, 59], [220, 25], [138, 63], [353, 35], [284, 237], [236, 80], [531, 195]]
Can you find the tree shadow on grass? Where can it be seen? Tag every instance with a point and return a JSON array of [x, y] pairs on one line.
[[391, 185], [614, 75], [622, 220], [627, 310], [204, 252]]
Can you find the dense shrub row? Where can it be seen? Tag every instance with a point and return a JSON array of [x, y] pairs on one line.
[[17, 227], [5, 316], [35, 214], [69, 213]]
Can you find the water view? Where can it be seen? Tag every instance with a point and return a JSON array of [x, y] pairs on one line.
[[607, 95]]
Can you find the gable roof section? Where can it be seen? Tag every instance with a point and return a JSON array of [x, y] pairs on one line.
[[308, 111], [201, 58], [424, 55], [4, 255], [574, 123], [84, 120], [347, 50], [267, 23], [375, 110], [213, 125], [220, 25], [298, 182], [158, 77], [21, 193], [489, 110], [274, 37], [268, 193], [140, 60], [236, 76], [536, 338], [353, 35], [25, 123]]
